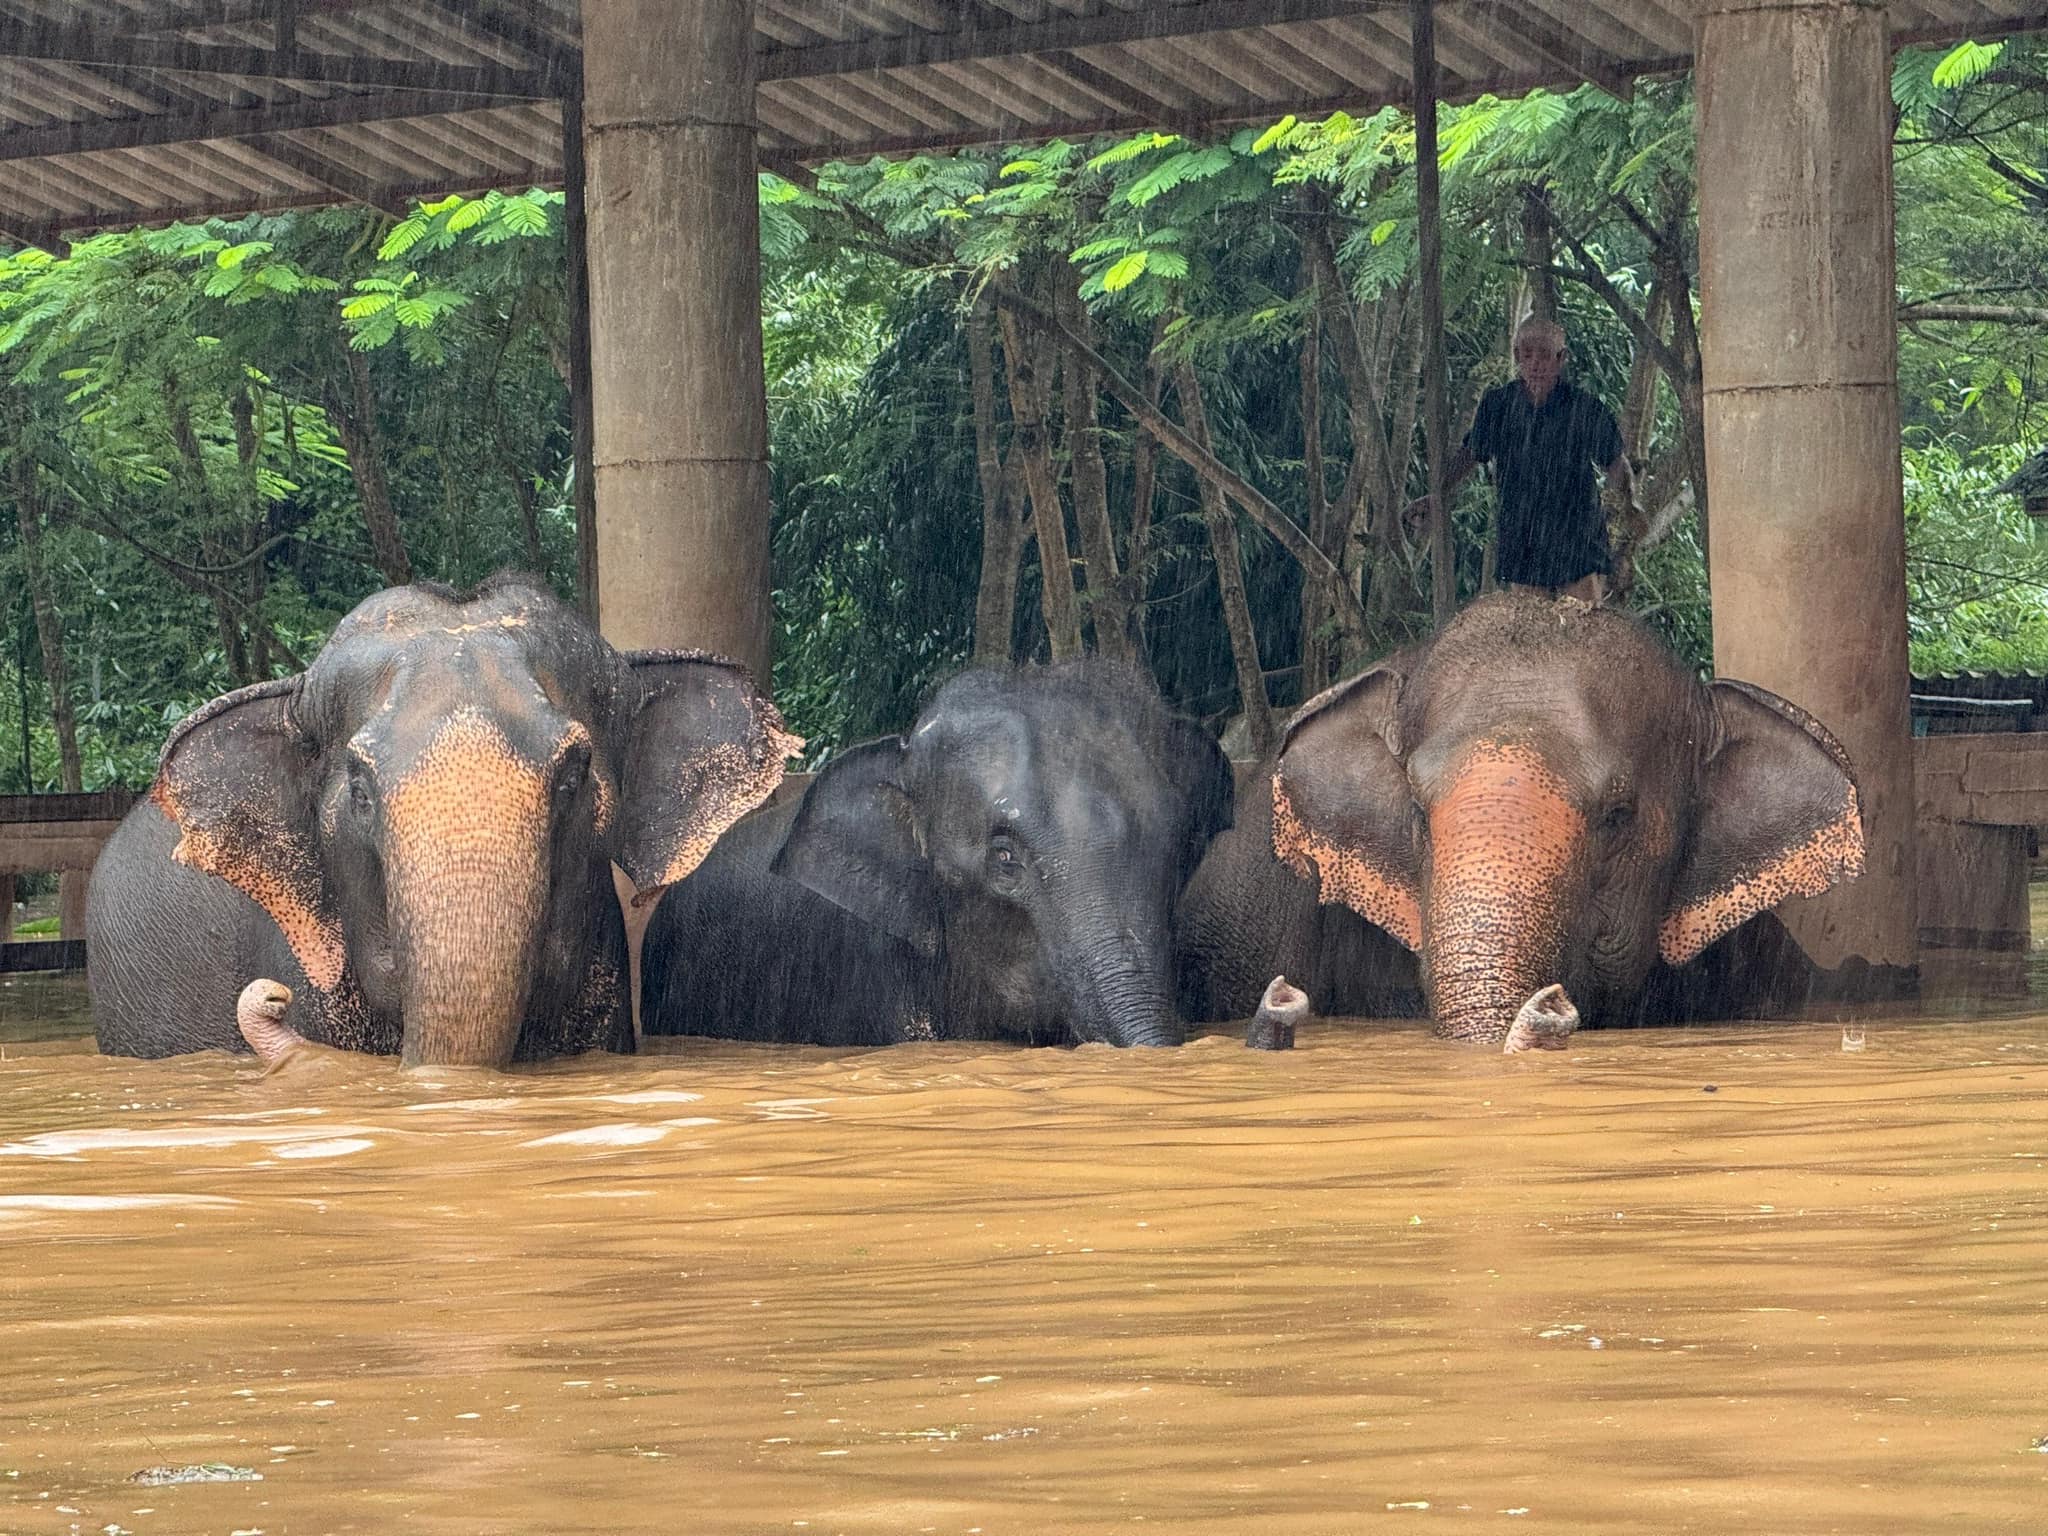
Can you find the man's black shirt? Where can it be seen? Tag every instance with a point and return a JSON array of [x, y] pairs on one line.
[[1552, 530]]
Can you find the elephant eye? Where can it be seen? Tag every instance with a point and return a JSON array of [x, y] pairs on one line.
[[1005, 860], [1619, 819], [571, 775], [358, 787]]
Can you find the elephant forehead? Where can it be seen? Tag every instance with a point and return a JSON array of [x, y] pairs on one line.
[[466, 792], [1513, 796], [1580, 758]]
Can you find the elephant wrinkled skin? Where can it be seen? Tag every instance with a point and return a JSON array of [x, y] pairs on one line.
[[1540, 796], [1008, 869], [415, 835]]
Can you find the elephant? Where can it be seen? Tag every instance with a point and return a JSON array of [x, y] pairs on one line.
[[1540, 796], [1008, 869], [415, 835]]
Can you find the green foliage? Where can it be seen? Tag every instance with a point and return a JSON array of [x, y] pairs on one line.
[[1977, 565]]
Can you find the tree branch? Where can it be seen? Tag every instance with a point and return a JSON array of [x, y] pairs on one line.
[[1995, 314], [1256, 504]]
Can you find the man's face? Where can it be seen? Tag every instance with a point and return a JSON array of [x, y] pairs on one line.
[[1539, 359]]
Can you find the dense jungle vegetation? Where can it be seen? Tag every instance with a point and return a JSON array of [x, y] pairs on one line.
[[1179, 374]]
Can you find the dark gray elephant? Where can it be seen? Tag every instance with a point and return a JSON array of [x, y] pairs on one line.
[[415, 835], [1009, 869], [1542, 795]]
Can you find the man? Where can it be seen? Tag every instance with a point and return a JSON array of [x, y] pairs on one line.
[[1543, 438]]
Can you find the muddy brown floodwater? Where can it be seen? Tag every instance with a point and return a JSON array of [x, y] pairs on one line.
[[1710, 1280]]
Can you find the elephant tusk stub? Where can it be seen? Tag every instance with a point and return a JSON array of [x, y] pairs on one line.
[[1544, 1023], [1283, 1007]]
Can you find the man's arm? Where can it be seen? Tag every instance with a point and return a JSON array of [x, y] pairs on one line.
[[1456, 473]]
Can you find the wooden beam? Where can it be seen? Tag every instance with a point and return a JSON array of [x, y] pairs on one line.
[[344, 180], [240, 13], [89, 135], [99, 45], [24, 955], [1060, 32], [1531, 33], [511, 23], [1997, 779], [27, 236], [1115, 91]]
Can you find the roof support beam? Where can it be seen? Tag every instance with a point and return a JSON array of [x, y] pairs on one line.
[[1118, 91], [1062, 32], [98, 45], [222, 123], [510, 23], [1530, 31], [337, 177]]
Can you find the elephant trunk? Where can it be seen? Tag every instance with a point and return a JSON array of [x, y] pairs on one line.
[[1122, 990], [1507, 845], [466, 880]]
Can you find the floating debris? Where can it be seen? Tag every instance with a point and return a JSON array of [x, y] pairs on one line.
[[200, 1472], [1852, 1037]]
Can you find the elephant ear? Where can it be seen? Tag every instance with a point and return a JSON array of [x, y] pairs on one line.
[[703, 748], [1198, 769], [1341, 804], [855, 843], [236, 777], [1778, 816]]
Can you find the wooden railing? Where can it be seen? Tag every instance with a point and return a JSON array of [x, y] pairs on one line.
[[60, 834]]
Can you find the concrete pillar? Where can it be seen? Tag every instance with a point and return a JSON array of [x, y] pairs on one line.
[[1799, 345], [681, 434]]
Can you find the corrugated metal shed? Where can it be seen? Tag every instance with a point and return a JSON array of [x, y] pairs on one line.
[[123, 111]]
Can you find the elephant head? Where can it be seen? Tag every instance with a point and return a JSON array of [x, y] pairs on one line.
[[1030, 837], [1544, 795], [430, 810]]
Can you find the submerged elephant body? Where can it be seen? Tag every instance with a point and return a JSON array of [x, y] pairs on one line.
[[1008, 869], [415, 835], [1541, 796]]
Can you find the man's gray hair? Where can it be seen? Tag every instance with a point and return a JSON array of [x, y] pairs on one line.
[[1536, 325]]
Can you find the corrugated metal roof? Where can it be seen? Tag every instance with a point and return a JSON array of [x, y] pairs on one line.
[[125, 111]]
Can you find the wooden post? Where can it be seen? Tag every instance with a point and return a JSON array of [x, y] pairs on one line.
[[576, 297], [6, 906], [1443, 570], [1799, 351], [680, 437]]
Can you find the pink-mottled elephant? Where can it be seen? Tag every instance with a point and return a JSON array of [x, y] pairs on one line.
[[1542, 795], [415, 836]]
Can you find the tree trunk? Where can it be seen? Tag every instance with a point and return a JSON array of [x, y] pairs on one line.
[[28, 513], [245, 410], [1539, 282], [1429, 282], [1144, 478], [1002, 530], [1261, 508], [1315, 600], [1028, 395], [1237, 610], [529, 523], [1091, 481], [355, 423]]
